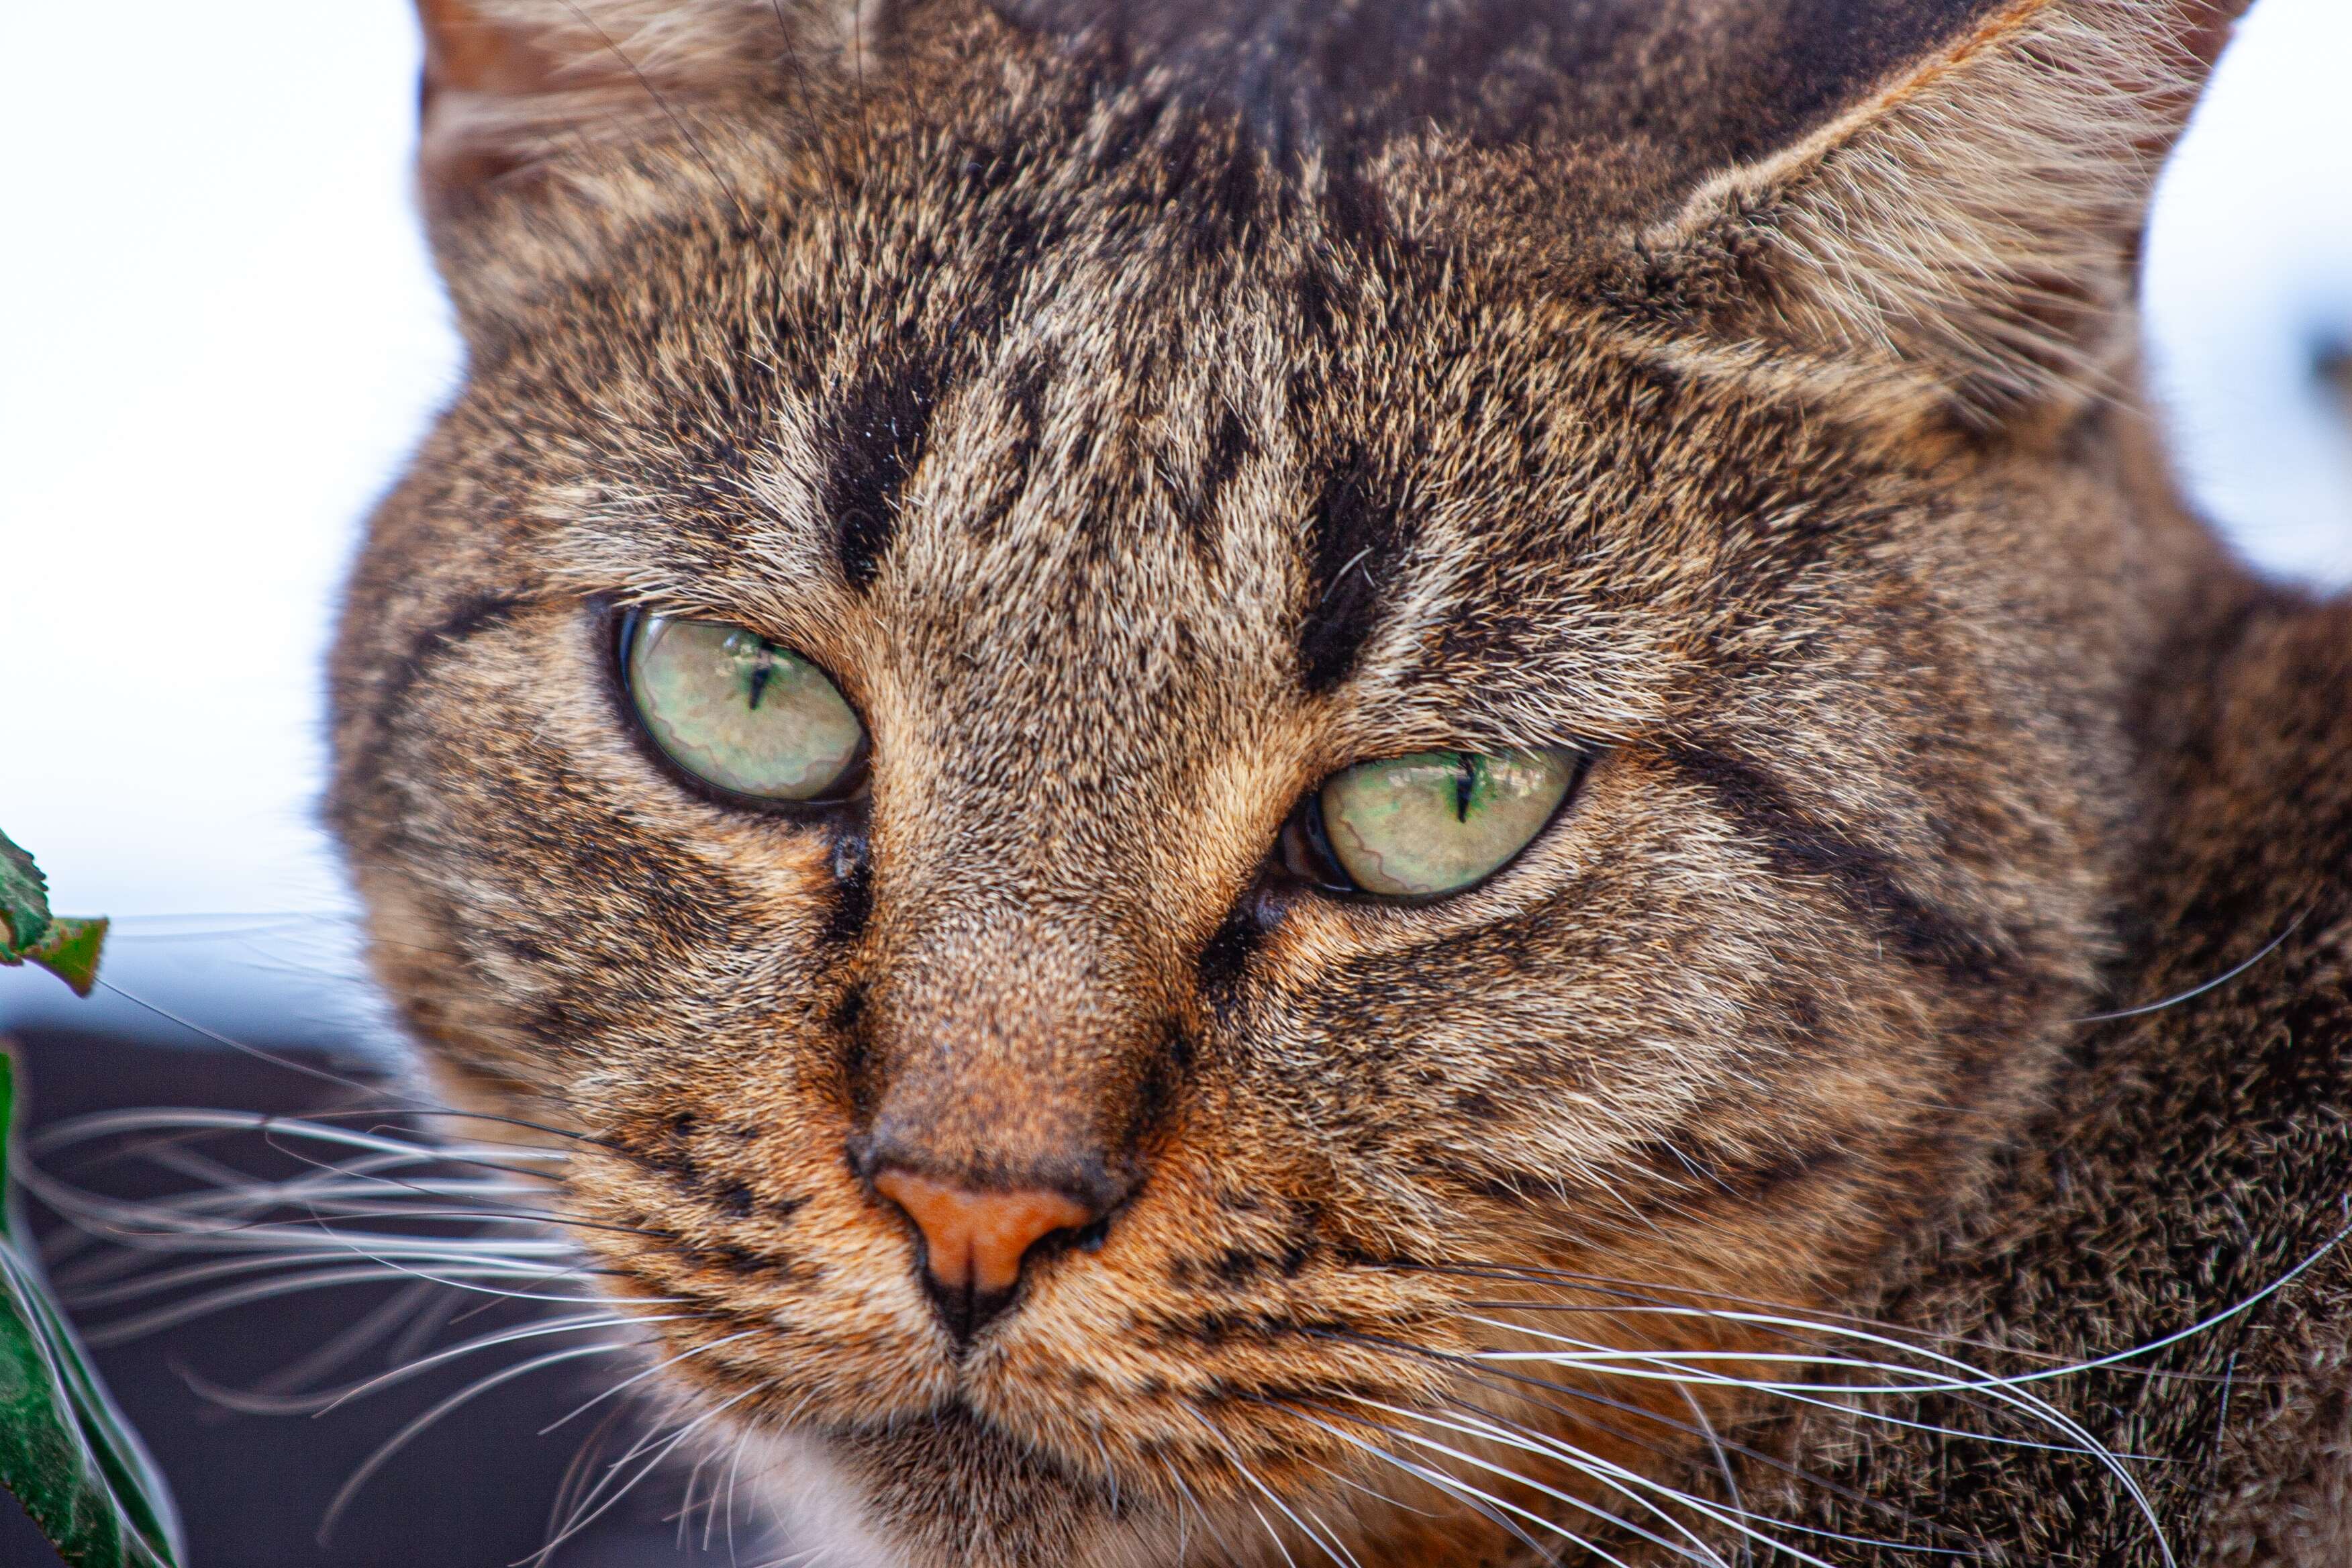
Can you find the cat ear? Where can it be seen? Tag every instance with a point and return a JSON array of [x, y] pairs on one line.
[[511, 88], [1968, 232]]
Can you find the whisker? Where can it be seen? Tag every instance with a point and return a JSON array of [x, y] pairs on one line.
[[400, 1439], [1470, 1365], [1961, 1377], [1661, 1296], [1494, 1510], [685, 1514], [1673, 1366], [454, 1278], [413, 1108], [1516, 1384], [579, 1268], [1723, 1467], [734, 1466], [1272, 1533], [806, 99], [96, 1124], [1552, 1447], [574, 1482], [2196, 991], [583, 1323], [1616, 1477], [124, 1331], [1208, 1521], [322, 1400], [256, 1052], [412, 1303], [337, 1250], [583, 1520], [1332, 1548], [790, 1559], [441, 1315], [1354, 1484], [639, 1377], [2005, 1390], [317, 1234]]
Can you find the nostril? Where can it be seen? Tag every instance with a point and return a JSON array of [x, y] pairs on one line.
[[974, 1239]]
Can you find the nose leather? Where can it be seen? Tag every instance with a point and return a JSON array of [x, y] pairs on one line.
[[974, 1240]]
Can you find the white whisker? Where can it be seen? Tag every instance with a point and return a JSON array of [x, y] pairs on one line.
[[400, 1439], [587, 1515], [1946, 1375], [1616, 1477], [122, 1330], [583, 1325], [1336, 1550], [412, 1304], [1208, 1521], [636, 1378], [1495, 1510], [322, 1400]]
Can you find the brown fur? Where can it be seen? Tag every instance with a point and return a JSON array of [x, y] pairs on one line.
[[1142, 420]]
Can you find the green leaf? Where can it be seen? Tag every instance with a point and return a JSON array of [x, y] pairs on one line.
[[66, 948], [65, 1450], [24, 898], [70, 951]]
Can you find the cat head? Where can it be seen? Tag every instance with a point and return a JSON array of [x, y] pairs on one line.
[[1439, 664]]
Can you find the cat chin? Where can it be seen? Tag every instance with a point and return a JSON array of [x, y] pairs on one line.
[[812, 1504], [914, 1500]]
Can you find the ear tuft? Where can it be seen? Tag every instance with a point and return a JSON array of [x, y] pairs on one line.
[[511, 87], [1970, 232]]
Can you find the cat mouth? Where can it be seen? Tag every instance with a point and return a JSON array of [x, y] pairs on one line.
[[954, 1415], [971, 1418]]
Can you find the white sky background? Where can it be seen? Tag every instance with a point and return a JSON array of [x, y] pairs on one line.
[[219, 333]]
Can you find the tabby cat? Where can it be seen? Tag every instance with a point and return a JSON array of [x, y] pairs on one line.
[[1399, 782]]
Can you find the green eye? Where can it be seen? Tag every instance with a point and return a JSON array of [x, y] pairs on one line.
[[740, 713], [1413, 827]]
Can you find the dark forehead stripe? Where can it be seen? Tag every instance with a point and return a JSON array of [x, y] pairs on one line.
[[1354, 534], [1230, 446], [873, 436]]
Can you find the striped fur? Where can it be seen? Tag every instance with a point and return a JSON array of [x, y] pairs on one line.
[[1144, 412]]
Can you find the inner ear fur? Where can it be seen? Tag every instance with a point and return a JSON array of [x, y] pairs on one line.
[[1966, 239], [512, 88]]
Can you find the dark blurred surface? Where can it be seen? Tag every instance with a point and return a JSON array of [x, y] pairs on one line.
[[475, 1490]]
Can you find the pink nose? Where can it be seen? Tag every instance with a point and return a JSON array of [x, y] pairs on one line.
[[973, 1241]]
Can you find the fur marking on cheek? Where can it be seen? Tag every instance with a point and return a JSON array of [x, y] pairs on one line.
[[1865, 882], [852, 897]]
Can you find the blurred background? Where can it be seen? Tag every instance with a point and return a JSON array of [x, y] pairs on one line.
[[221, 334]]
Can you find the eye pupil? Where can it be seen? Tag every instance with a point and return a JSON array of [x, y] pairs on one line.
[[741, 714], [1401, 827]]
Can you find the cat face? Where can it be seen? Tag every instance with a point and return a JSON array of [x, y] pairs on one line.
[[1129, 478]]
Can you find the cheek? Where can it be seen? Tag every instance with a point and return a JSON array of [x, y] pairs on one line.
[[570, 887], [1667, 1008]]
